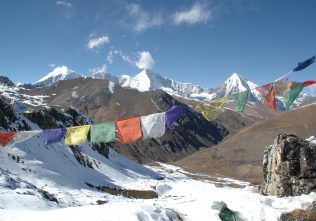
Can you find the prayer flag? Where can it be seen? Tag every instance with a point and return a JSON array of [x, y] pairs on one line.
[[281, 87], [129, 130], [22, 136], [240, 100], [77, 135], [292, 94], [53, 135], [268, 94], [6, 137], [153, 125], [103, 132], [219, 102], [209, 112], [213, 110], [174, 113], [304, 64], [309, 83]]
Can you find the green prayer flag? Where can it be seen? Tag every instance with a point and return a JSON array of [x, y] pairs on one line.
[[292, 94], [103, 132], [240, 100]]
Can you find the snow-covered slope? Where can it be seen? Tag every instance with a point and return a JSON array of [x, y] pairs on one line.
[[179, 198], [59, 73], [57, 173]]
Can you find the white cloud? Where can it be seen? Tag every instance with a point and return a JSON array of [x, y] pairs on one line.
[[95, 43], [199, 13], [63, 3], [66, 8], [109, 57], [125, 57], [142, 20], [133, 9], [145, 60], [52, 65], [98, 70]]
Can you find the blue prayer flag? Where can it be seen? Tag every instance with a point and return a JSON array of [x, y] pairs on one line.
[[174, 113], [304, 64], [54, 135]]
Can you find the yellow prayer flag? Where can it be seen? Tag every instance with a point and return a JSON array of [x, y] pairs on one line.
[[210, 113], [281, 87], [77, 135], [219, 102]]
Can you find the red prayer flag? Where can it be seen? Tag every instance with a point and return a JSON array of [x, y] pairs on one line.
[[129, 130], [6, 137], [309, 83], [268, 94]]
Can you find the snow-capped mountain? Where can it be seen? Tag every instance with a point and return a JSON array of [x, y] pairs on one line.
[[147, 80], [236, 84], [58, 74]]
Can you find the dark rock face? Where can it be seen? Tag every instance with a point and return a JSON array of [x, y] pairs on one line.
[[289, 167], [6, 81], [7, 115]]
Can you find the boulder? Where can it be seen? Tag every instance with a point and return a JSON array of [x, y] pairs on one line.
[[289, 167]]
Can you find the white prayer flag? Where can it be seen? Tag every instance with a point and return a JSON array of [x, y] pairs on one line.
[[22, 136], [153, 125]]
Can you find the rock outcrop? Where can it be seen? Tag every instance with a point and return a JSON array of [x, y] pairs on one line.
[[6, 81], [289, 167], [300, 215]]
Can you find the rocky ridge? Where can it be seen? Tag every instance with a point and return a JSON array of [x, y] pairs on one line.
[[289, 167]]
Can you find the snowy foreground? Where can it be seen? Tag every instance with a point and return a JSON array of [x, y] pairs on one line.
[[180, 197]]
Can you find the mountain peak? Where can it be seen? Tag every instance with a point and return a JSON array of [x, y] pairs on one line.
[[59, 73], [236, 84], [6, 81]]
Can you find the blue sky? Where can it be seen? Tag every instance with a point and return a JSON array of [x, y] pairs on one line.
[[202, 42]]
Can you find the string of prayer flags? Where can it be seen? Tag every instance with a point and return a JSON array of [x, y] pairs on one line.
[[284, 78], [54, 135], [153, 125], [268, 94], [304, 64], [77, 135], [6, 137], [174, 113], [129, 130], [103, 132], [209, 112], [240, 100], [292, 93], [22, 136]]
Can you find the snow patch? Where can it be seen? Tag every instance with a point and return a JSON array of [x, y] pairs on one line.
[[111, 87]]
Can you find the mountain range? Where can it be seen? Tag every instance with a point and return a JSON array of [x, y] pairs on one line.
[[56, 176], [109, 97], [148, 80]]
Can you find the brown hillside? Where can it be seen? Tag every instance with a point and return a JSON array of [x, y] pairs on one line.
[[241, 155]]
